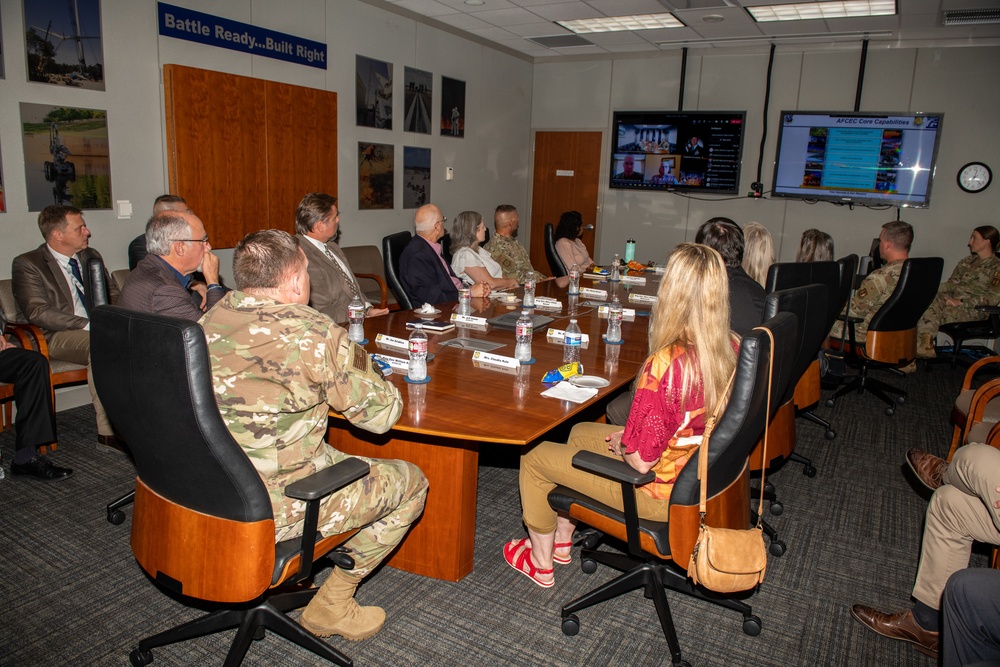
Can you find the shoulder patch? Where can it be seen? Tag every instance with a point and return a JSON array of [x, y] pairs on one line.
[[862, 292], [996, 278], [360, 361]]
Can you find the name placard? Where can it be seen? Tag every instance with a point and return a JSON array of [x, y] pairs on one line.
[[392, 341], [545, 303], [468, 319], [193, 26], [633, 280], [495, 359], [642, 298], [627, 313], [395, 363], [559, 335], [591, 293]]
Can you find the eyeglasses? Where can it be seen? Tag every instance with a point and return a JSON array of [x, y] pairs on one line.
[[443, 219], [201, 240]]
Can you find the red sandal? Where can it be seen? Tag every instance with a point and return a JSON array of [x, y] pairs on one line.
[[517, 553], [560, 559]]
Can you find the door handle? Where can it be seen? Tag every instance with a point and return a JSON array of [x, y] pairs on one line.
[[589, 228]]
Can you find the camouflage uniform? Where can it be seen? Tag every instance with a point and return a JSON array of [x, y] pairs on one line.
[[278, 370], [512, 258], [874, 291], [976, 282]]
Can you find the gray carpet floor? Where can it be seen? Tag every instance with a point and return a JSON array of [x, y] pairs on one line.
[[71, 593]]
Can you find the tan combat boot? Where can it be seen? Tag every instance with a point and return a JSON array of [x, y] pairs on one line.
[[925, 346], [335, 612]]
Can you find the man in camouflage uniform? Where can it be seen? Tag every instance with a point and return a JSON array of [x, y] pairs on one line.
[[505, 250], [279, 367], [894, 246], [974, 282]]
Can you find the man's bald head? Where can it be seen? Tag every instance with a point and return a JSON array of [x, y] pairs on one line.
[[426, 221], [169, 203]]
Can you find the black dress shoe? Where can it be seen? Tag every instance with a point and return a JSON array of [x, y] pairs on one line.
[[41, 468]]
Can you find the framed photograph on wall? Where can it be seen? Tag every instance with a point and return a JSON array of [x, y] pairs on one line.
[[3, 198], [375, 176], [66, 156], [63, 44], [417, 91], [373, 80], [2, 75], [452, 107], [416, 176]]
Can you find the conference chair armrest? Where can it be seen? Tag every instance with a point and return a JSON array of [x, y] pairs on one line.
[[328, 480], [615, 469], [969, 374], [986, 308], [383, 288]]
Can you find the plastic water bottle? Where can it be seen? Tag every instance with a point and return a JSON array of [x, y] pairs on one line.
[[356, 316], [614, 321], [464, 301], [417, 369], [615, 276], [572, 342], [629, 250], [529, 292], [574, 280], [522, 333]]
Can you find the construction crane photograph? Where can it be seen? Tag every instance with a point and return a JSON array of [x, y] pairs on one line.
[[63, 42]]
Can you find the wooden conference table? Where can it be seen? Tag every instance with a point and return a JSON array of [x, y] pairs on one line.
[[464, 407]]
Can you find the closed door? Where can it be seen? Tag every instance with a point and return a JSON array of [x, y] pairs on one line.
[[566, 175]]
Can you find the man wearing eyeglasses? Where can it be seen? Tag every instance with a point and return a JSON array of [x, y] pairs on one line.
[[426, 276], [178, 246]]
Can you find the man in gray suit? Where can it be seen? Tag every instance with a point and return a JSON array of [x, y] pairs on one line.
[[178, 246], [333, 285], [51, 292]]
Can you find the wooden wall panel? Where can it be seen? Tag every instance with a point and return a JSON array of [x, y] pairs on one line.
[[301, 148]]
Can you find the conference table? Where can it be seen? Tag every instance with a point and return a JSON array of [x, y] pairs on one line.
[[468, 405]]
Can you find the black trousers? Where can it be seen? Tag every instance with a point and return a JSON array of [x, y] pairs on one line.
[[971, 609], [29, 373]]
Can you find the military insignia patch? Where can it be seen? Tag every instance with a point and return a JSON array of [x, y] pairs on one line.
[[863, 292], [996, 278], [361, 362]]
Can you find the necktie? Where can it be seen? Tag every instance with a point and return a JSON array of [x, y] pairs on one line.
[[347, 278], [74, 267]]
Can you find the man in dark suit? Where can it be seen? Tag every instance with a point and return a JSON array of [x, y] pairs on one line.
[[178, 246], [137, 248], [426, 276], [35, 424], [51, 292], [332, 284], [746, 296]]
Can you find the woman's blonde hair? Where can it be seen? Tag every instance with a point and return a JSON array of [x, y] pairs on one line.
[[758, 251], [692, 313]]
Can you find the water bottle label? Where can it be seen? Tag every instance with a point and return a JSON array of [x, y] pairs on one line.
[[523, 329], [355, 313], [418, 346], [573, 340]]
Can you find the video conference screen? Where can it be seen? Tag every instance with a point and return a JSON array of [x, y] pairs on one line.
[[677, 150]]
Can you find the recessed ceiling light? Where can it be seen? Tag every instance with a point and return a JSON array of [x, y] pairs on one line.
[[712, 18], [475, 3], [834, 9], [622, 23]]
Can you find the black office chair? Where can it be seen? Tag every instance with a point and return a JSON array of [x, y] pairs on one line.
[[891, 341], [960, 332], [555, 261], [203, 525], [657, 552], [392, 248]]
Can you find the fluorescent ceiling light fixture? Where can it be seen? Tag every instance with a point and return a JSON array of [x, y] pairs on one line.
[[834, 9], [971, 16], [622, 23]]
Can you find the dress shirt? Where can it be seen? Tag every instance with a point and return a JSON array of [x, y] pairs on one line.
[[75, 290]]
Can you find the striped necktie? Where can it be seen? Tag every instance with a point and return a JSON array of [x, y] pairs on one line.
[[74, 267], [349, 279]]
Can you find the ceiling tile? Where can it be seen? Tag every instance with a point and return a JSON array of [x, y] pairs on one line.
[[507, 16], [567, 11], [425, 7], [492, 33], [463, 21], [540, 28], [627, 7]]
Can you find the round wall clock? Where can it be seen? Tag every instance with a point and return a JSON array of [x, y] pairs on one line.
[[974, 177]]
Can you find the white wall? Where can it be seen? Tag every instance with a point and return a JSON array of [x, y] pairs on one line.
[[957, 81], [491, 162]]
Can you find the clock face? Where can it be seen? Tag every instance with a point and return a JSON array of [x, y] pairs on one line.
[[974, 177]]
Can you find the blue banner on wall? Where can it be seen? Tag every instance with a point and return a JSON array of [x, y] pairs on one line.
[[216, 31]]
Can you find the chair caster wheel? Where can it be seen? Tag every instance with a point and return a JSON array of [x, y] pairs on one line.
[[140, 658], [776, 548], [571, 625], [768, 487], [900, 400], [776, 508], [830, 434], [751, 626], [809, 471], [889, 412], [589, 566], [828, 403], [116, 517], [259, 633]]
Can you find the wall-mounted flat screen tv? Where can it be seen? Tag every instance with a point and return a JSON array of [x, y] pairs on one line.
[[677, 150], [865, 159]]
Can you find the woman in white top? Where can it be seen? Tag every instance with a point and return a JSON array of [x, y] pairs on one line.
[[470, 262]]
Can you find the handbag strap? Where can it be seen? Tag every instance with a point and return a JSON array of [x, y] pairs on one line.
[[710, 426]]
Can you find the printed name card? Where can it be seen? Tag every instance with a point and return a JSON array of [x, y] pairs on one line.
[[633, 280], [382, 340], [468, 319], [627, 313], [495, 359], [590, 293], [596, 277], [395, 363], [545, 303], [559, 335], [642, 298]]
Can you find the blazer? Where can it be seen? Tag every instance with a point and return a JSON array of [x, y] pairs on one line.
[[153, 288], [329, 293], [42, 293], [423, 276], [746, 301]]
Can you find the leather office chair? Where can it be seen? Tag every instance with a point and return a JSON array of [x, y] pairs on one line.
[[555, 262], [367, 266], [392, 249], [959, 332], [891, 341], [446, 248], [203, 525], [657, 552]]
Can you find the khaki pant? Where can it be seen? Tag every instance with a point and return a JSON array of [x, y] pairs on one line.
[[550, 464], [74, 347], [960, 512]]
